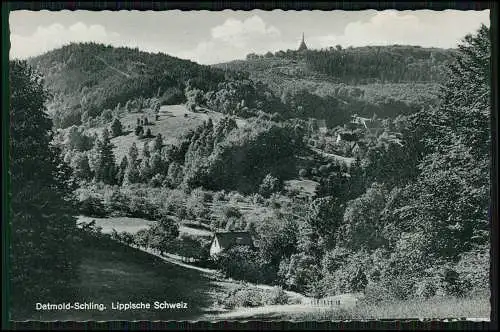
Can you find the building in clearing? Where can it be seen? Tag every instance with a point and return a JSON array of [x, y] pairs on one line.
[[225, 240]]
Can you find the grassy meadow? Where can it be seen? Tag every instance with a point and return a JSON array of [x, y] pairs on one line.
[[113, 272], [173, 121]]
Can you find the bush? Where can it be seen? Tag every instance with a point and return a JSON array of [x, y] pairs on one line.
[[157, 180], [376, 293], [235, 196], [258, 199], [277, 296], [474, 269], [245, 296], [92, 206], [269, 185], [242, 263], [231, 212], [139, 131], [302, 172], [219, 196]]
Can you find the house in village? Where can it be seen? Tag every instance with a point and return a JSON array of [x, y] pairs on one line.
[[322, 126], [318, 125], [225, 240], [373, 125]]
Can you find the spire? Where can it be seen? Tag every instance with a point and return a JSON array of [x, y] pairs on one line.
[[303, 45]]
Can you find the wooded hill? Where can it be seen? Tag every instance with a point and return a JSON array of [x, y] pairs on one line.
[[382, 80], [89, 78], [353, 65], [86, 79]]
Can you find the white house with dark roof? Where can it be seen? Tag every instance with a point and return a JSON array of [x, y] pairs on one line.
[[225, 240]]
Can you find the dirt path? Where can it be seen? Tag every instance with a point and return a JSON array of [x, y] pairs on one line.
[[174, 259], [270, 312]]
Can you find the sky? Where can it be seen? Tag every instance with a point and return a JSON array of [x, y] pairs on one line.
[[210, 37]]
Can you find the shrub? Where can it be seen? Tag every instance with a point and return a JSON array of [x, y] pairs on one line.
[[92, 206], [235, 196], [474, 269], [243, 297], [298, 272], [195, 204], [139, 131], [258, 199], [242, 263], [157, 180], [219, 196], [302, 172], [277, 296], [269, 185], [231, 212], [376, 293]]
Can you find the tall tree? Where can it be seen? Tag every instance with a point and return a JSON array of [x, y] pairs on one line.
[[450, 199], [131, 174], [121, 170], [106, 168], [158, 143], [44, 253]]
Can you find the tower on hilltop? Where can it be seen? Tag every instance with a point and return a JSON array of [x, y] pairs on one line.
[[302, 46]]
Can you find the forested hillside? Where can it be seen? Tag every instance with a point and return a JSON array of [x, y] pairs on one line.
[[353, 65], [382, 80], [86, 79]]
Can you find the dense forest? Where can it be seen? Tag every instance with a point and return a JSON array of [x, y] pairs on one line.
[[401, 207]]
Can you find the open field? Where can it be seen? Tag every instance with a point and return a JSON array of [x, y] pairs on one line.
[[304, 187], [120, 224], [173, 121], [132, 225], [194, 231]]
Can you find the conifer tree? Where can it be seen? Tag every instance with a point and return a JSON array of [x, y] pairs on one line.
[[158, 144], [133, 153], [121, 170], [44, 247], [116, 128], [106, 168]]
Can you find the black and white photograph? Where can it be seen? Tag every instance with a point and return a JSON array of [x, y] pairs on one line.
[[249, 165]]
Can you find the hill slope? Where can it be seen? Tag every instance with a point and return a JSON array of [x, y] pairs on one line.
[[90, 77], [386, 80]]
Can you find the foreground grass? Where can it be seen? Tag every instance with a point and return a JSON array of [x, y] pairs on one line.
[[474, 307], [114, 272]]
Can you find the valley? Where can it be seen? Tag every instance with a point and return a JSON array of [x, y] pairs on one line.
[[310, 184]]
